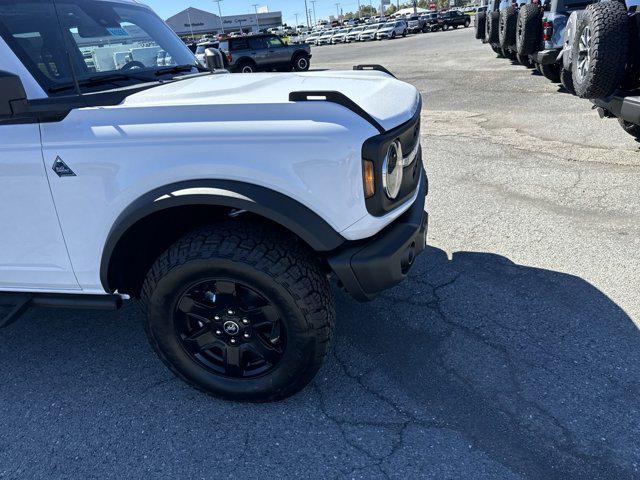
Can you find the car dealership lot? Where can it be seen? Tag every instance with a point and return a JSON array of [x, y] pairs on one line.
[[512, 352]]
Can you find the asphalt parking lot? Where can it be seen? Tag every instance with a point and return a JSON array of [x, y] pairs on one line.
[[512, 352]]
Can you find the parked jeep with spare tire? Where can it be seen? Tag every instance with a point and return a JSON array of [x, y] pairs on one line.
[[507, 30], [223, 203], [541, 33], [605, 50], [492, 24]]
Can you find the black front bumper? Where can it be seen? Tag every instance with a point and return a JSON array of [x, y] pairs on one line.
[[367, 267], [546, 57]]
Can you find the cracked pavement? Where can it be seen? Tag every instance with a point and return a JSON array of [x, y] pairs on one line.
[[512, 352]]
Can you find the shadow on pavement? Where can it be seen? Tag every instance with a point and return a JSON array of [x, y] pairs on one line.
[[474, 368], [536, 369]]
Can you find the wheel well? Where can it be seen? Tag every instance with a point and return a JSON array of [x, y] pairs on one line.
[[140, 246], [242, 60]]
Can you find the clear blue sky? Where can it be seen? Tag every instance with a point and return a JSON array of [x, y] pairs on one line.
[[324, 8]]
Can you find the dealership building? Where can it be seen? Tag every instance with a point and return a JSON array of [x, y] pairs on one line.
[[195, 23]]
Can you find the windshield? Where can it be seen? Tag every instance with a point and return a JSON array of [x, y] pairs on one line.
[[116, 40]]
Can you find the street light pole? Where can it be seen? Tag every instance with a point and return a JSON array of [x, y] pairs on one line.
[[220, 14], [315, 19], [306, 12], [338, 10], [296, 19], [255, 7]]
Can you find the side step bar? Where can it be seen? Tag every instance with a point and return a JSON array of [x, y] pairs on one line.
[[19, 303]]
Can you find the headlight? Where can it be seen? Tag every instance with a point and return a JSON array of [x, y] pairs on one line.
[[392, 170]]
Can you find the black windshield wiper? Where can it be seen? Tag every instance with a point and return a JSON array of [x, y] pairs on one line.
[[177, 69], [101, 79]]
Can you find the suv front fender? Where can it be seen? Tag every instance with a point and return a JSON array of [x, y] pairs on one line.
[[272, 205]]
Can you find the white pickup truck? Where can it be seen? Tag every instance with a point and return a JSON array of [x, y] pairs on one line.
[[224, 203]]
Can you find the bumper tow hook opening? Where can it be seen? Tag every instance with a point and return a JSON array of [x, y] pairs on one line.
[[408, 258]]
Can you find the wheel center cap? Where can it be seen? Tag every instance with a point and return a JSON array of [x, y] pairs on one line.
[[231, 328]]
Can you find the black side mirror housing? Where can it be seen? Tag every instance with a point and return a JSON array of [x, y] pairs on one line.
[[12, 95], [214, 59]]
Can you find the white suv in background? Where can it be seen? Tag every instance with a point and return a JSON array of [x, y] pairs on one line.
[[370, 32], [393, 29]]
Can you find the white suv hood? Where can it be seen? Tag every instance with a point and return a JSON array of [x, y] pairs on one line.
[[390, 101]]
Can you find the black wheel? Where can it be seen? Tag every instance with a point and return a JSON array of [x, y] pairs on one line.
[[481, 23], [525, 60], [246, 66], [445, 27], [528, 29], [240, 311], [566, 79], [426, 29], [404, 33], [551, 72], [631, 128], [301, 63], [467, 22], [496, 48], [600, 49], [393, 35], [507, 27]]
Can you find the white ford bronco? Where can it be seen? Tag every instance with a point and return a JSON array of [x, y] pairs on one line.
[[224, 202]]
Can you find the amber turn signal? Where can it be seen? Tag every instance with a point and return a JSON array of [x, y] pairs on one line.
[[368, 179]]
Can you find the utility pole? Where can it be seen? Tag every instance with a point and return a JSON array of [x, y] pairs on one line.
[[193, 39], [220, 14], [296, 19], [338, 10], [315, 19], [306, 12], [358, 9], [255, 7]]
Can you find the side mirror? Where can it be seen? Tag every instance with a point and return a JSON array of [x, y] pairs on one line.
[[214, 59], [12, 95]]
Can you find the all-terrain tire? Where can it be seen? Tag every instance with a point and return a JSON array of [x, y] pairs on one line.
[[507, 30], [496, 48], [300, 62], [551, 72], [601, 49], [246, 66], [525, 60], [566, 79], [493, 27], [529, 29], [569, 38], [266, 260], [481, 24]]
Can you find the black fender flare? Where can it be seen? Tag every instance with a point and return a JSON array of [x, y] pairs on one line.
[[262, 201]]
